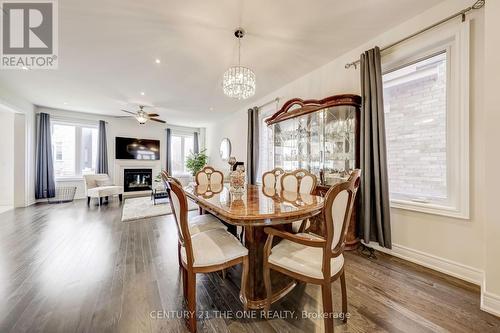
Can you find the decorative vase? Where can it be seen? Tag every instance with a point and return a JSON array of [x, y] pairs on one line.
[[237, 181]]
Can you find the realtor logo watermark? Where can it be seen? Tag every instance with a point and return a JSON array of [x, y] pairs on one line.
[[29, 34]]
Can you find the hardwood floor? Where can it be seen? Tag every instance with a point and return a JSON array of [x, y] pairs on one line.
[[69, 268]]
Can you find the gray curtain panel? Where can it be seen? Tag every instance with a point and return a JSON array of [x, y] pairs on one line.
[[102, 149], [196, 144], [169, 152], [253, 145], [45, 186], [375, 213]]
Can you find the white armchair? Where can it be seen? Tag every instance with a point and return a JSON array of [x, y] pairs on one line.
[[100, 186]]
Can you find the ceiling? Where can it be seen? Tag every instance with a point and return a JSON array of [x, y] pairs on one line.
[[107, 50]]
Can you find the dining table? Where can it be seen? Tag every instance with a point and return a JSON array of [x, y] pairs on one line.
[[253, 208]]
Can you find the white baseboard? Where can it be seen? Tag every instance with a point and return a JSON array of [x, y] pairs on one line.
[[449, 267], [489, 302]]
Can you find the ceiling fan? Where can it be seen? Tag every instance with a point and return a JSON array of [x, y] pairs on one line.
[[142, 116]]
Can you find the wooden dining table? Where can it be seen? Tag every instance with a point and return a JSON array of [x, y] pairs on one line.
[[253, 208]]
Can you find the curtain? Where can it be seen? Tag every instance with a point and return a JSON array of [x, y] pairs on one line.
[[196, 144], [253, 145], [102, 150], [44, 179], [375, 213], [169, 152]]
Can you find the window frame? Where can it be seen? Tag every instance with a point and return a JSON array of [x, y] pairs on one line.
[[183, 137], [77, 175], [454, 40]]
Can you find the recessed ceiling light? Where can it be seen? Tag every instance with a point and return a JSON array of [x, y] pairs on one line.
[[143, 93], [65, 103], [157, 61], [210, 108]]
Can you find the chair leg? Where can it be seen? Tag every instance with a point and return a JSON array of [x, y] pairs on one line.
[[88, 201], [344, 297], [267, 283], [100, 201], [179, 254], [120, 196], [326, 291], [244, 279], [184, 283], [223, 273], [191, 301]]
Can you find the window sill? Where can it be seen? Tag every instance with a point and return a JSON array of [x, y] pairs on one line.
[[429, 208]]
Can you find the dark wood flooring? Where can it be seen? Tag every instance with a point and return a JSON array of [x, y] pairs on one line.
[[68, 268]]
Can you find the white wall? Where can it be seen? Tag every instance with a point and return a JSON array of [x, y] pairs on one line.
[[123, 127], [451, 245], [491, 295], [24, 152], [7, 158], [19, 160]]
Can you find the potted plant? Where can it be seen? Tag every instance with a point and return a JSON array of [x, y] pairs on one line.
[[196, 161]]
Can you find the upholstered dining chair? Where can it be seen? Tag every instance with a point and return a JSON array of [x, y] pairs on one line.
[[298, 181], [209, 175], [196, 224], [272, 179], [204, 252], [313, 259]]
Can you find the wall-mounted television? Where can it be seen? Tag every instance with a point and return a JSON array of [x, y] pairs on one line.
[[136, 149]]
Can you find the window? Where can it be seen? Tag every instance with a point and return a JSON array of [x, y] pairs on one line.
[[426, 121], [181, 146], [74, 148]]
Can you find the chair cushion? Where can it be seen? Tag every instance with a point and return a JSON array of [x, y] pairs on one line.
[[103, 191], [214, 247], [302, 259], [205, 222]]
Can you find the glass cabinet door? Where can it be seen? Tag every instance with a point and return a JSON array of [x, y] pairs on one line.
[[323, 140], [339, 142]]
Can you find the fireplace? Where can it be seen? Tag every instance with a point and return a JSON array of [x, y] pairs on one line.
[[137, 180]]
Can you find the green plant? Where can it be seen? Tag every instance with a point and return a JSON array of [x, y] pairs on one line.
[[196, 161]]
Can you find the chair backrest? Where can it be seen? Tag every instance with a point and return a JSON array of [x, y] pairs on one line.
[[337, 211], [209, 175], [91, 180], [179, 206], [272, 179], [300, 181]]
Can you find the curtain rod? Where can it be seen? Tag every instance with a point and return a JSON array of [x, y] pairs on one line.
[[477, 5]]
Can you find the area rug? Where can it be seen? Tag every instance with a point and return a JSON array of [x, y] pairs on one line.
[[143, 207]]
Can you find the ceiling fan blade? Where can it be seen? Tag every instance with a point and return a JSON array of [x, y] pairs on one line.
[[153, 114], [129, 112], [158, 120]]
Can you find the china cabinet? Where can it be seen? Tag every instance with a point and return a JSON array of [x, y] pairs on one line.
[[321, 136]]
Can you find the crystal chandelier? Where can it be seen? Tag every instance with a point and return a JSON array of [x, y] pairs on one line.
[[238, 81]]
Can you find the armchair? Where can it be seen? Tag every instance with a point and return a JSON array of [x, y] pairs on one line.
[[100, 186]]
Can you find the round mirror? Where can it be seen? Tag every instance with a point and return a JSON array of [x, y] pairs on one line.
[[225, 149]]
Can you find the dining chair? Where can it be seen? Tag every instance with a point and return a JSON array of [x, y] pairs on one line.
[[209, 175], [196, 224], [203, 252], [313, 259], [298, 181], [272, 179]]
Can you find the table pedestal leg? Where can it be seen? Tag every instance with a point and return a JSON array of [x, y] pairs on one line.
[[255, 239]]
